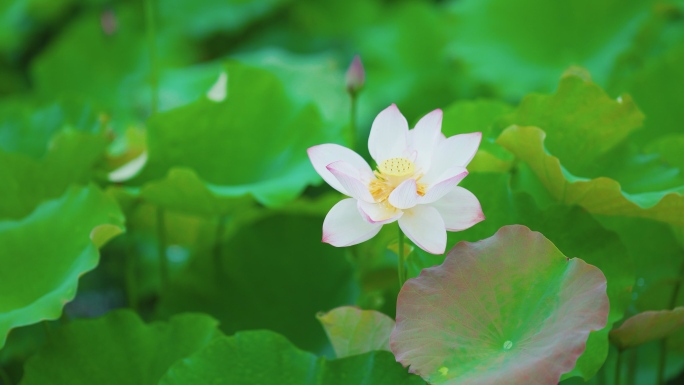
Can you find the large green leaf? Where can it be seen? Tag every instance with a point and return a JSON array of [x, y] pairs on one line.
[[354, 331], [580, 120], [266, 358], [308, 79], [599, 195], [44, 254], [650, 72], [201, 19], [498, 310], [264, 277], [118, 349], [405, 62], [254, 142], [525, 45]]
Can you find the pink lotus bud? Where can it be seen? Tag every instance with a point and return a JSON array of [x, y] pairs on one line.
[[356, 76], [108, 22]]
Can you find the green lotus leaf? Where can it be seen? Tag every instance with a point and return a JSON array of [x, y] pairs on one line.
[[580, 120], [669, 148], [265, 358], [479, 116], [72, 158], [248, 283], [202, 19], [308, 79], [46, 252], [650, 72], [237, 147], [110, 74], [113, 69], [526, 45], [182, 190], [44, 148], [498, 311], [405, 61], [600, 195], [118, 348], [27, 127], [354, 331], [647, 326]]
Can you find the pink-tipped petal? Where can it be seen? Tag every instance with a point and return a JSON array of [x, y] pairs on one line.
[[388, 135], [424, 138], [405, 195], [343, 226], [378, 213], [351, 179], [449, 179], [460, 209], [457, 150], [324, 154], [425, 227]]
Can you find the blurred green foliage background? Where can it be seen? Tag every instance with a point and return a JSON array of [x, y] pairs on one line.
[[227, 197]]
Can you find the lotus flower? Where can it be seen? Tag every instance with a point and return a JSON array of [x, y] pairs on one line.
[[415, 183]]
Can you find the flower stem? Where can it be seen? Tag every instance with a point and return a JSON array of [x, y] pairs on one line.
[[152, 42], [161, 249], [400, 260], [218, 239], [352, 121], [618, 365], [663, 343], [131, 281]]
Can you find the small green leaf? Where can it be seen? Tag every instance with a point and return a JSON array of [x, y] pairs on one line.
[[498, 310], [354, 331], [266, 358], [45, 253], [647, 326], [118, 349]]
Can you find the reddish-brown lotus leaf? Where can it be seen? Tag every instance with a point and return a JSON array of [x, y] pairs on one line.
[[510, 309], [647, 326], [354, 331]]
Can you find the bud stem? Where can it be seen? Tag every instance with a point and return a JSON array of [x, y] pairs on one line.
[[400, 266], [352, 122]]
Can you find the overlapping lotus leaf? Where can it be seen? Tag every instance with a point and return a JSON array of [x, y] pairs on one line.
[[118, 348], [46, 252], [580, 120], [266, 358], [480, 116], [354, 331], [508, 309], [182, 190], [230, 282], [599, 195], [218, 142], [647, 326], [523, 46]]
